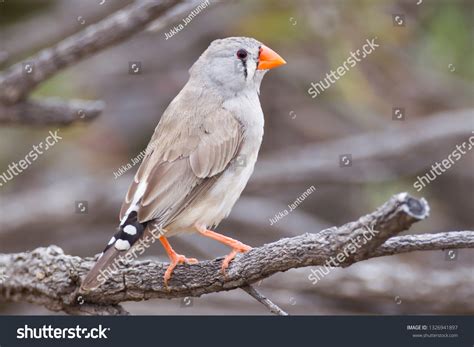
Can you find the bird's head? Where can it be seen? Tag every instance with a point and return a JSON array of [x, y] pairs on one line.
[[235, 64]]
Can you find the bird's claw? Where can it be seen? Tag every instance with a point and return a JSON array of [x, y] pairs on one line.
[[176, 260], [239, 248]]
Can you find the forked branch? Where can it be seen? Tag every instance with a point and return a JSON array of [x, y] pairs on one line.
[[48, 277]]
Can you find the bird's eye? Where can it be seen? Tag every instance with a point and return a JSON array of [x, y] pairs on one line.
[[241, 54]]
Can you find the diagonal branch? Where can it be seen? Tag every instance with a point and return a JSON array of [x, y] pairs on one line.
[[49, 277], [15, 84], [264, 300]]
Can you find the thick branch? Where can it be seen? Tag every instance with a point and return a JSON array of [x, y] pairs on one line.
[[15, 84], [46, 276], [50, 111]]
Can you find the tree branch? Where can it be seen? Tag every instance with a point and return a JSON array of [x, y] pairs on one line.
[[50, 111], [426, 242], [48, 277], [20, 79], [15, 84], [264, 300]]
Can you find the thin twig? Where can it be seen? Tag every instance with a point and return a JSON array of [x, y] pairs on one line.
[[264, 300]]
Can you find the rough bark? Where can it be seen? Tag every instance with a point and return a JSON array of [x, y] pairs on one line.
[[48, 277]]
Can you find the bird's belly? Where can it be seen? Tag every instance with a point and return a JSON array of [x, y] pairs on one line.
[[217, 203]]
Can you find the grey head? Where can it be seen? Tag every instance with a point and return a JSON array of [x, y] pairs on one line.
[[235, 64]]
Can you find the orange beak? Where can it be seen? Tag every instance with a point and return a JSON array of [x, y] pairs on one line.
[[269, 59]]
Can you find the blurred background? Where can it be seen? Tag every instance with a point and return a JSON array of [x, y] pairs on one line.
[[423, 68]]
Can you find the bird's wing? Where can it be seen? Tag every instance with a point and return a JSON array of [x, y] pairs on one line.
[[184, 159]]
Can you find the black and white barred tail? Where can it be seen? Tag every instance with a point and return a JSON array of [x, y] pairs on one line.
[[130, 231]]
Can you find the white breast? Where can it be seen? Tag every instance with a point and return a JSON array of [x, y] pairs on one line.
[[217, 203]]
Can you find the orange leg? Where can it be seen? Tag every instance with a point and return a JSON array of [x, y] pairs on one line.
[[237, 246], [175, 259]]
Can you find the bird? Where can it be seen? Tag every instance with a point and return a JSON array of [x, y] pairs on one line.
[[199, 159]]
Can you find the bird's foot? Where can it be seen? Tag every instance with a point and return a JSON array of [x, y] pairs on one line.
[[237, 246], [175, 259], [240, 248]]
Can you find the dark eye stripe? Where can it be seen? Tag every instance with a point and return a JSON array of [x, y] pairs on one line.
[[244, 63]]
